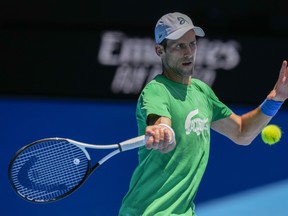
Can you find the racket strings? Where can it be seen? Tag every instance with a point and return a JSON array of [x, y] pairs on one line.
[[49, 169]]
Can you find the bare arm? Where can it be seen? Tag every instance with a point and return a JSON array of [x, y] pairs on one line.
[[244, 129]]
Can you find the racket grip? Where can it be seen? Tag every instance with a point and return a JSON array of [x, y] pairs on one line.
[[133, 143]]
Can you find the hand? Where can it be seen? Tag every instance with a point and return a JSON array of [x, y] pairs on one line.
[[280, 91], [160, 137]]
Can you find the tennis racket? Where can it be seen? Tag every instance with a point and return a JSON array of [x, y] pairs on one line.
[[52, 168]]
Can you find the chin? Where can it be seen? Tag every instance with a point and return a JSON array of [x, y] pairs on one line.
[[188, 72]]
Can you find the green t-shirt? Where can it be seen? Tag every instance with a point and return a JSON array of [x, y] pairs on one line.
[[166, 184]]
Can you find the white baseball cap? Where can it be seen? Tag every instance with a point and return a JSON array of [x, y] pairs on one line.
[[173, 26]]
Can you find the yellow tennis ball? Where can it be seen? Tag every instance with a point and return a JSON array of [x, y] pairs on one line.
[[271, 134]]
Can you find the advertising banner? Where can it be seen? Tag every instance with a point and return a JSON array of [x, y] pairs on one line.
[[116, 64]]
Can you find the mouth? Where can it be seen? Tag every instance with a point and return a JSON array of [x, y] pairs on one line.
[[187, 63]]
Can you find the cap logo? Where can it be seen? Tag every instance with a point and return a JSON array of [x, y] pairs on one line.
[[182, 20]]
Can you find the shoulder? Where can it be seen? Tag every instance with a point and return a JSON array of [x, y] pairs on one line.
[[199, 82], [158, 83], [200, 85]]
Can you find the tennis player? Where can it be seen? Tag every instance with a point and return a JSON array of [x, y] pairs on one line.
[[168, 175]]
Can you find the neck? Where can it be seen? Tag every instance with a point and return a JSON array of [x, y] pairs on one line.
[[185, 80]]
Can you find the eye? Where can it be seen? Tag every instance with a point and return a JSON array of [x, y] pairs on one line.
[[193, 44], [180, 46]]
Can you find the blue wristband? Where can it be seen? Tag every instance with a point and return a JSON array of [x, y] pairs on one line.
[[270, 107]]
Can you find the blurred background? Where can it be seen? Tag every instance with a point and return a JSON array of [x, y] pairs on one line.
[[75, 69]]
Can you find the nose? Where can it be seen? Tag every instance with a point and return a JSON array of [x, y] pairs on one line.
[[189, 52]]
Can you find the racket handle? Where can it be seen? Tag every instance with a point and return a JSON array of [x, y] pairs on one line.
[[142, 140], [133, 143]]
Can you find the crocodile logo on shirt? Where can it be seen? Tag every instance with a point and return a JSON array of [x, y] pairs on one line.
[[196, 125]]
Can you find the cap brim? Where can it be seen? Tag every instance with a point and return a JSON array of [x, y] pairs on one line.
[[180, 32]]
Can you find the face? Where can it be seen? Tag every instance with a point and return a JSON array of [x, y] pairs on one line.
[[179, 56]]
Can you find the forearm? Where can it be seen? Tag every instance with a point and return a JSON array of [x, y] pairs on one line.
[[242, 129], [252, 124]]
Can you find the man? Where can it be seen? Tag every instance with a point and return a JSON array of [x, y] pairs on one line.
[[174, 103]]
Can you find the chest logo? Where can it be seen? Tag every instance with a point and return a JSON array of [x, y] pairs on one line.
[[194, 124]]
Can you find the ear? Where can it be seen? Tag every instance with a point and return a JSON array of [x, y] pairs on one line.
[[159, 50]]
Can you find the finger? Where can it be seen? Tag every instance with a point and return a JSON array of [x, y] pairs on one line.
[[283, 72], [149, 131], [281, 80], [150, 142], [272, 94], [165, 138], [157, 135], [161, 137]]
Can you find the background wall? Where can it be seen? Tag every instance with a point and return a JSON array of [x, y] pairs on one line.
[[72, 49], [72, 69]]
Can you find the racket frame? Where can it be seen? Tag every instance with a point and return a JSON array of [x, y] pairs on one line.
[[123, 146]]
